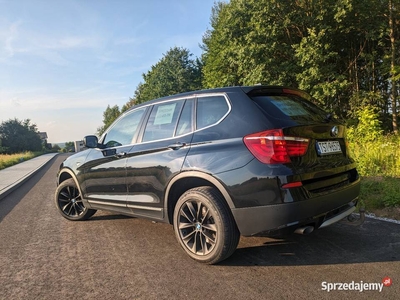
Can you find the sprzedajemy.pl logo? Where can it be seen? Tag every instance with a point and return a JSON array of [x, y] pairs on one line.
[[356, 286]]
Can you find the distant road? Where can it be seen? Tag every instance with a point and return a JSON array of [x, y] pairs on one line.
[[44, 256]]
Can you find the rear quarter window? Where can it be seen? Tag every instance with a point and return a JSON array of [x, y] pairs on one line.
[[210, 110]]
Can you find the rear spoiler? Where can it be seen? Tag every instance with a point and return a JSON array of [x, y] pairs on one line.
[[261, 90]]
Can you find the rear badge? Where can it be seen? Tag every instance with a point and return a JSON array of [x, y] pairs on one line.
[[334, 131]]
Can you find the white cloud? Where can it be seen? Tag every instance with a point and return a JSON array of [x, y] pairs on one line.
[[17, 38], [7, 37], [68, 42], [127, 41], [12, 35]]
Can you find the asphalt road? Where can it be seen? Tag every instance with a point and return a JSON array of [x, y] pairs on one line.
[[44, 256]]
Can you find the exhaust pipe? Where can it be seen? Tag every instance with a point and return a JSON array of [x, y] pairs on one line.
[[304, 230]]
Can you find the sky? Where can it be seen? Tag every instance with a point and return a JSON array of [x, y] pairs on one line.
[[63, 61]]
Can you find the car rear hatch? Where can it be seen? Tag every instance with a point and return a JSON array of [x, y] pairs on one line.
[[306, 139]]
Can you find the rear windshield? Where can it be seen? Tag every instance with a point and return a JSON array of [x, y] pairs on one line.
[[290, 106]]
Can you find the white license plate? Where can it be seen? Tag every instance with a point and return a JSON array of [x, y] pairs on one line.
[[330, 147]]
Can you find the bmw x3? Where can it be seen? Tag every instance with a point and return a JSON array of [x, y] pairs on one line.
[[217, 164]]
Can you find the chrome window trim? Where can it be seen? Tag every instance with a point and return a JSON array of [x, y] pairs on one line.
[[194, 96], [103, 136], [223, 117]]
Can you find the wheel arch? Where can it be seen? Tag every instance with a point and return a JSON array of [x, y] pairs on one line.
[[188, 180], [65, 174]]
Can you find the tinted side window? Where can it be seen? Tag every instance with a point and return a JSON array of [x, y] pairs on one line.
[[123, 131], [210, 110], [185, 121], [162, 121]]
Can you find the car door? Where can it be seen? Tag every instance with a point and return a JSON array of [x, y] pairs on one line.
[[105, 167], [152, 162]]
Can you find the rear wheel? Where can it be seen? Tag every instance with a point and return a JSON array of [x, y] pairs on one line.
[[69, 202], [204, 225]]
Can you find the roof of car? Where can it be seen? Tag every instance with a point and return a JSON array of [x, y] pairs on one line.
[[245, 89]]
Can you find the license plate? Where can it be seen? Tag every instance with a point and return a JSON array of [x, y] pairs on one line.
[[330, 147]]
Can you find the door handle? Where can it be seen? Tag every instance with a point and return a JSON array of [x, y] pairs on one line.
[[121, 155], [177, 146]]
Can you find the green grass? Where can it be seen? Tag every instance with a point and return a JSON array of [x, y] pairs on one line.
[[380, 157], [8, 160], [380, 192], [378, 163]]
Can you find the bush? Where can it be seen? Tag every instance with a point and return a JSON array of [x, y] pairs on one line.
[[368, 128], [380, 157], [378, 160], [375, 154]]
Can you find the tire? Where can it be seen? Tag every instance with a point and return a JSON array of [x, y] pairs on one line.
[[69, 202], [204, 225]]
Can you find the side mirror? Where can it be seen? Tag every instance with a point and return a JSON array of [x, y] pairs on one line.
[[90, 141]]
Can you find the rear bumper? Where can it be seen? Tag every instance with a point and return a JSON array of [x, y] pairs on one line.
[[326, 209]]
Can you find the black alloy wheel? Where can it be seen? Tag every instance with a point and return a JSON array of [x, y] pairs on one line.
[[69, 202]]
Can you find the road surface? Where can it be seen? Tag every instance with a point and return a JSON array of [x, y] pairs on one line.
[[44, 256]]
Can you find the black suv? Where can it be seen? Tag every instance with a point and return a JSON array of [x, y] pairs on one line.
[[217, 164]]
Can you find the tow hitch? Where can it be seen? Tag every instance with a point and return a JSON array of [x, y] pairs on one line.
[[355, 220]]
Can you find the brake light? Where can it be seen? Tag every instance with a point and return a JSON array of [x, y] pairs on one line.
[[297, 93], [292, 185], [272, 147]]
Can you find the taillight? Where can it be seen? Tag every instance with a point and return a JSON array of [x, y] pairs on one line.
[[292, 185], [272, 147]]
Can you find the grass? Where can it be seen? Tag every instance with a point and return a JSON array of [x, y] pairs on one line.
[[380, 192], [378, 162], [381, 196], [377, 158], [8, 160]]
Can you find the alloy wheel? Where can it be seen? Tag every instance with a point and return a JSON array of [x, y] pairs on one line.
[[197, 228], [70, 201]]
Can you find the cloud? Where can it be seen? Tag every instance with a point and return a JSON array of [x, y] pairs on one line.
[[68, 42], [13, 33], [17, 39], [7, 38], [15, 102]]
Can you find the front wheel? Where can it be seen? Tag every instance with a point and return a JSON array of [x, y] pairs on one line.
[[69, 202], [204, 225]]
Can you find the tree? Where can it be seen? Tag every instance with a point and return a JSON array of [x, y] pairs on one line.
[[18, 136], [128, 105], [69, 147], [175, 73], [55, 148], [109, 116], [394, 22], [250, 42], [2, 149], [344, 56]]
